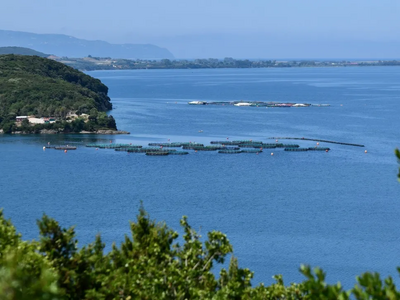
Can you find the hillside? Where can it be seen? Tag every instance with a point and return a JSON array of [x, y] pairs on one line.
[[21, 51], [30, 85], [64, 45]]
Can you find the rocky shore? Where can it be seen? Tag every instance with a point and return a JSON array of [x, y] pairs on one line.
[[52, 131], [111, 132]]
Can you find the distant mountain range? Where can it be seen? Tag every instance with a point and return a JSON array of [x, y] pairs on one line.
[[64, 45]]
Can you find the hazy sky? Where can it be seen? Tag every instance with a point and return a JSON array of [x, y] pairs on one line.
[[220, 28]]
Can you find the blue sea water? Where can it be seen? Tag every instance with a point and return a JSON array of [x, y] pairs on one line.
[[337, 210]]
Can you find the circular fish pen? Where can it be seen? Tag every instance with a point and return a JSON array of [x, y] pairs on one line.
[[251, 146], [229, 151], [178, 153], [296, 149], [251, 151], [318, 149], [158, 153]]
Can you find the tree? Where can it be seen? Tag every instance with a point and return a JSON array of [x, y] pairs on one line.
[[151, 264], [111, 123], [24, 273], [93, 114]]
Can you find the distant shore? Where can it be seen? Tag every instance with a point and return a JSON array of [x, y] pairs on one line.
[[108, 63]]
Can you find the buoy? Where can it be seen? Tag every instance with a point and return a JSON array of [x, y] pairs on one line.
[[365, 151], [317, 144], [65, 151], [272, 153], [44, 148], [326, 150]]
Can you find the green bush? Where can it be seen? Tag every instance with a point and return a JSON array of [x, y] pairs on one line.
[[151, 264]]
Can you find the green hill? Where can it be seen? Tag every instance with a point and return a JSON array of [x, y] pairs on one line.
[[31, 85], [21, 51]]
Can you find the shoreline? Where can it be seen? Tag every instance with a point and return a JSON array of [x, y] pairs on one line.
[[51, 131]]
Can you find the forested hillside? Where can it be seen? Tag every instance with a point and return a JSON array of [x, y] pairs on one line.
[[31, 85], [21, 51]]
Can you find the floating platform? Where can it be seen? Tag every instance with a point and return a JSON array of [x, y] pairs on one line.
[[295, 149], [224, 147], [256, 103], [222, 143], [229, 151], [172, 145], [112, 146], [318, 149], [65, 147], [251, 145], [157, 153], [317, 140], [205, 148], [246, 142], [178, 153], [251, 151]]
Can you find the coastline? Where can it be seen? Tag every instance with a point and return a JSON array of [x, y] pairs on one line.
[[51, 131]]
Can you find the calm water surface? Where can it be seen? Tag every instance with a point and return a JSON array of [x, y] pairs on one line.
[[338, 210]]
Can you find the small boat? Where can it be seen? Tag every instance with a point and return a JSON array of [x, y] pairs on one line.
[[242, 104], [301, 105], [197, 103]]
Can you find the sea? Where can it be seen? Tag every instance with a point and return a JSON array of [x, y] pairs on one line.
[[338, 210]]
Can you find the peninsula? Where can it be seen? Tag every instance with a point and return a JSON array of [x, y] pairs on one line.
[[40, 95]]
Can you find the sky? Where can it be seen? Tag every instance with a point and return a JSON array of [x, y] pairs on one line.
[[272, 29]]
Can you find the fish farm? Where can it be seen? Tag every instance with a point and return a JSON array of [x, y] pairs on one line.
[[257, 104], [217, 146]]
